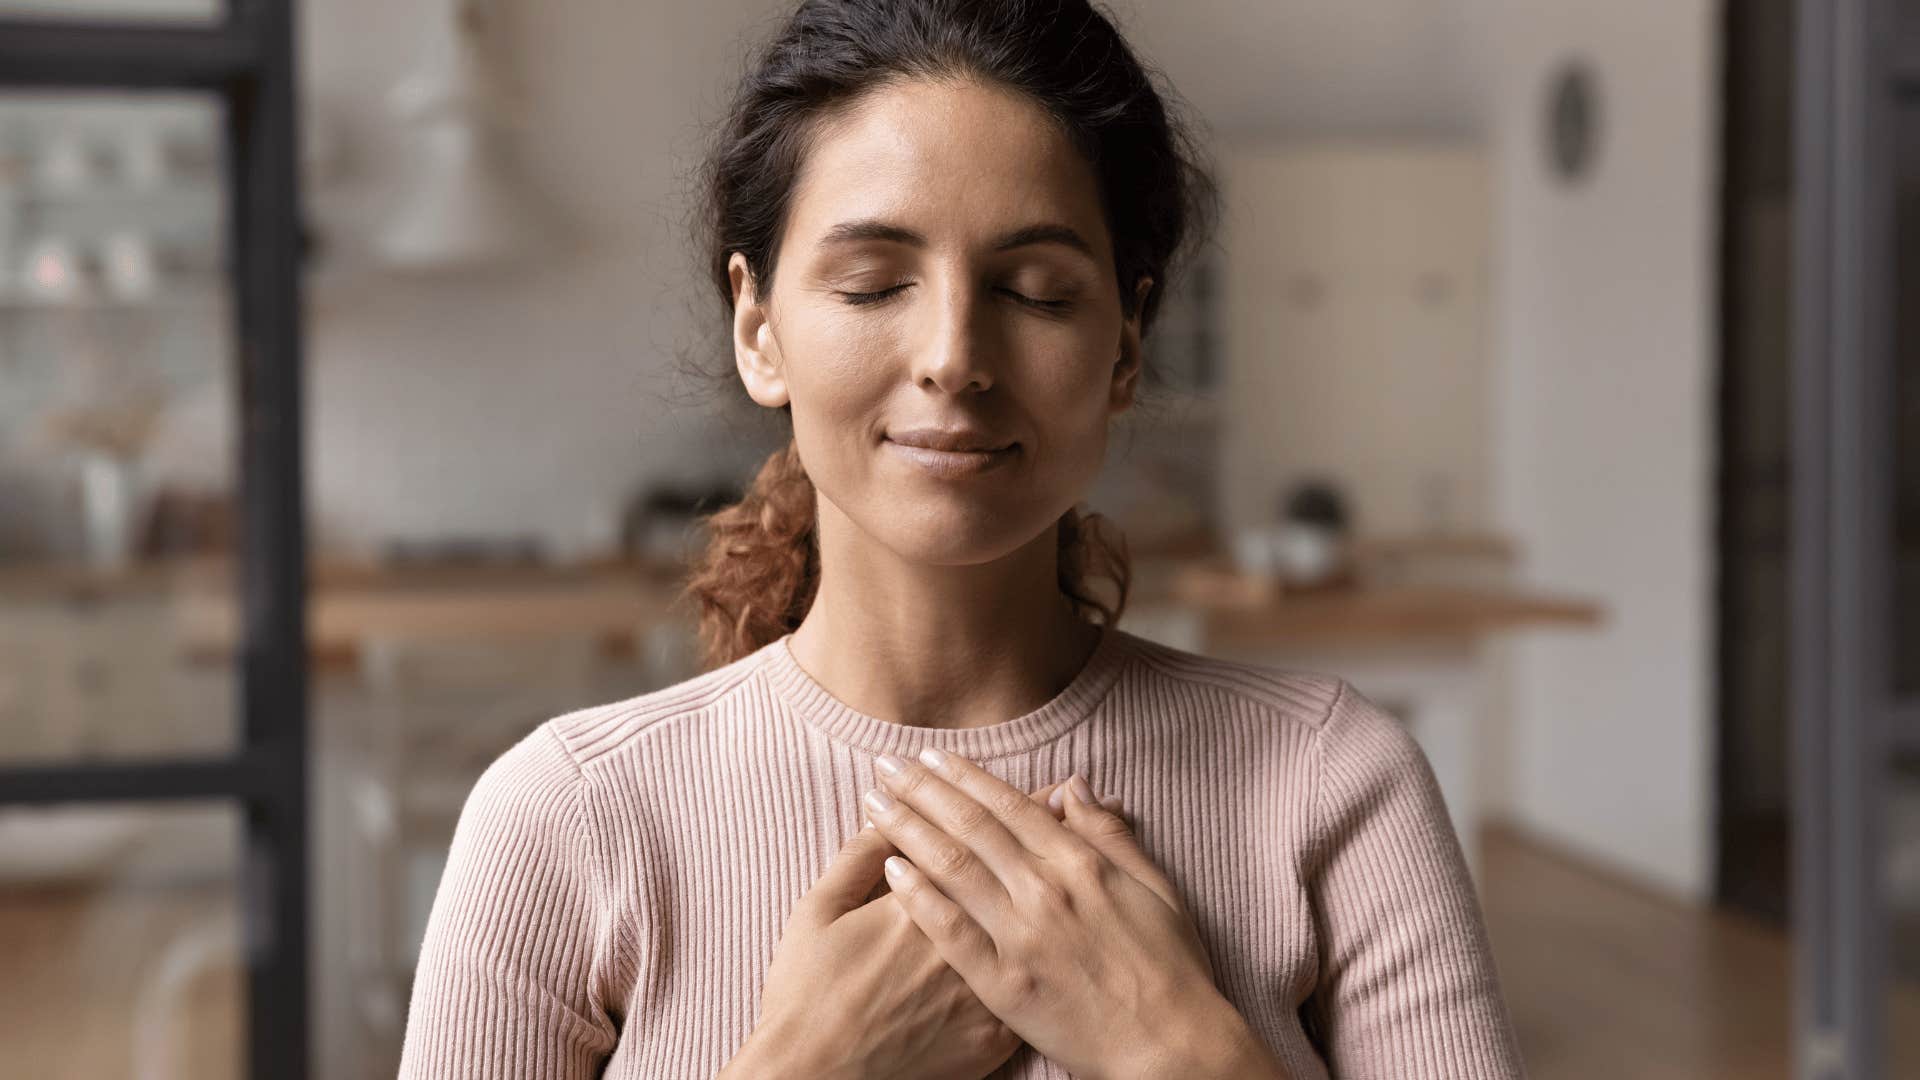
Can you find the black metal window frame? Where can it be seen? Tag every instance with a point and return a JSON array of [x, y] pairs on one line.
[[246, 59]]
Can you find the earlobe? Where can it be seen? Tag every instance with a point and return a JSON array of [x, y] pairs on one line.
[[756, 354], [1126, 374], [1126, 369]]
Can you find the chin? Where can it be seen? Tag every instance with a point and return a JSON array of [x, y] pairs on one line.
[[957, 536]]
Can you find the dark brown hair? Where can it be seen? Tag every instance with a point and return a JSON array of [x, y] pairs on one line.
[[761, 568]]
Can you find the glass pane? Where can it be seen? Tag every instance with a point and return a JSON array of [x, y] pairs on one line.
[[155, 10], [120, 944], [117, 398]]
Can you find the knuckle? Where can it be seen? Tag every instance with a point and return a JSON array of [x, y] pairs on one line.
[[1006, 803], [951, 922], [911, 782], [994, 1040], [970, 819], [1020, 986], [1084, 864], [951, 861], [1046, 893]]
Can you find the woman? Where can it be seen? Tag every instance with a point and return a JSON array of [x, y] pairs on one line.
[[941, 229]]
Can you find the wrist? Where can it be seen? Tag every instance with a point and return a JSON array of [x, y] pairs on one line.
[[775, 1049], [1213, 1042]]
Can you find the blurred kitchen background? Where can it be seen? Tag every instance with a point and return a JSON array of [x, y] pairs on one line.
[[1484, 398]]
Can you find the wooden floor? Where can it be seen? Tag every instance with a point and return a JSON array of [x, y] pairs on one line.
[[1608, 981], [79, 968], [1604, 981]]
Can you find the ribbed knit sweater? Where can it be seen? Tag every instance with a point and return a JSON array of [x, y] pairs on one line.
[[618, 879]]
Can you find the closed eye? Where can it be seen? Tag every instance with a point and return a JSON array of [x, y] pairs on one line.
[[862, 298], [858, 298], [1044, 305]]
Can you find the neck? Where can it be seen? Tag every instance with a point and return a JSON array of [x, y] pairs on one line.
[[939, 646]]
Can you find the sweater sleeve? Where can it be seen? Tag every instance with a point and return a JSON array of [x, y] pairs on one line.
[[1406, 986], [509, 978]]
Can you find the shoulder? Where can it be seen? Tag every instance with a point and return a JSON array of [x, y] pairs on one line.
[[1358, 746], [532, 788], [591, 733], [1284, 695]]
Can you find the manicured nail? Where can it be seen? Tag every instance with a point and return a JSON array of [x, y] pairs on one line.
[[1080, 789], [889, 764], [879, 801], [896, 866], [932, 758], [1056, 798]]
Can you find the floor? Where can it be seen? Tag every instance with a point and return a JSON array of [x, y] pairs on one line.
[[1603, 980], [1606, 981]]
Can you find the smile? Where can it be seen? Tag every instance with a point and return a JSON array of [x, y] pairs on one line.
[[952, 463]]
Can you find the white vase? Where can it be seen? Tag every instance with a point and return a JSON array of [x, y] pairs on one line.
[[106, 501]]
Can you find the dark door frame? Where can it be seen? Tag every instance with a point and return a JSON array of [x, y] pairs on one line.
[[246, 59], [1846, 84]]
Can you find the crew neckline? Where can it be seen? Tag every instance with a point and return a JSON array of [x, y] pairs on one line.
[[817, 706]]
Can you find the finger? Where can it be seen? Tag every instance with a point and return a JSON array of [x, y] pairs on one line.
[[974, 816], [849, 879], [1110, 835], [961, 941], [1014, 829], [942, 858], [1039, 796], [1045, 798], [1059, 807]]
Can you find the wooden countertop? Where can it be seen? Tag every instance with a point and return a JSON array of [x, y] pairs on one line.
[[352, 602], [1392, 615], [1374, 613]]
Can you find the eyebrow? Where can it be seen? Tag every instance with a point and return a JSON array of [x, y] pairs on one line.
[[873, 229]]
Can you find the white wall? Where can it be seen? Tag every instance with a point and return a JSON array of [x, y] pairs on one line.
[[1604, 332], [534, 399]]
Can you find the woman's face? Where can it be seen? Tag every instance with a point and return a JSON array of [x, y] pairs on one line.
[[945, 279]]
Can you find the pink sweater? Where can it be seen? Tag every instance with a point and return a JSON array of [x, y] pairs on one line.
[[619, 878]]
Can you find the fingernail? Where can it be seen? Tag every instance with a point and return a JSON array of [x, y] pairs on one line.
[[896, 866], [933, 758], [1080, 789], [879, 801], [1111, 802], [889, 764], [1054, 798]]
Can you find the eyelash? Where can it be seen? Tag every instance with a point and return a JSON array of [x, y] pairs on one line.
[[858, 299]]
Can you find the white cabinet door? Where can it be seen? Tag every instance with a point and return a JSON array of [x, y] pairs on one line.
[[1354, 310]]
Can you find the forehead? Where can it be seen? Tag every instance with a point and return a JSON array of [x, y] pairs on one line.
[[947, 157]]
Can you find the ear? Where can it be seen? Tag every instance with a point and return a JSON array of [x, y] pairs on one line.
[[755, 352], [1126, 370]]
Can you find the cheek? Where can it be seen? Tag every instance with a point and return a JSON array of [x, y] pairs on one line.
[[838, 380], [1067, 389], [835, 369]]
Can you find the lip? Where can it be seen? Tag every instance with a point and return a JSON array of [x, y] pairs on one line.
[[951, 453], [963, 440]]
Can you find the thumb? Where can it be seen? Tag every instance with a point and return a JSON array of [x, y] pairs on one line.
[[849, 878], [1108, 832]]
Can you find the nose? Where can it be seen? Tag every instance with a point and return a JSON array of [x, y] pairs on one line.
[[958, 345]]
